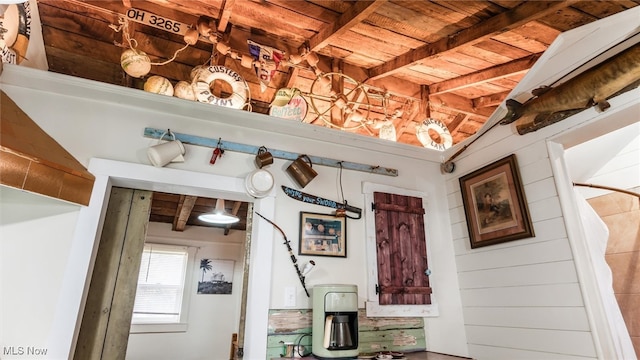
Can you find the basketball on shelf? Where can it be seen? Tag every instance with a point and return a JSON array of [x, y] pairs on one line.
[[135, 63], [158, 85]]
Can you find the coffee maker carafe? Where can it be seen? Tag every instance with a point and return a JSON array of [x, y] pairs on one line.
[[335, 321]]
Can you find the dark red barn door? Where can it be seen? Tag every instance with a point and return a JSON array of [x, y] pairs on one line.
[[401, 250]]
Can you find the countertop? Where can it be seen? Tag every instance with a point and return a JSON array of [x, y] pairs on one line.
[[420, 355]]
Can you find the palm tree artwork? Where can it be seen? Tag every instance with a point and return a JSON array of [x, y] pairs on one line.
[[205, 265]]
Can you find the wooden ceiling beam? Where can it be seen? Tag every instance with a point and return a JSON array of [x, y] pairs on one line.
[[225, 15], [509, 20], [359, 11], [234, 211], [457, 121], [489, 100], [185, 206], [515, 67], [459, 104]]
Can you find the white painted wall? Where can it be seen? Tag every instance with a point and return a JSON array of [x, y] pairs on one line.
[[93, 120], [212, 318], [534, 298], [35, 235]]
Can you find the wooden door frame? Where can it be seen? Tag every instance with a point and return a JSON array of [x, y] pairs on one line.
[[111, 173]]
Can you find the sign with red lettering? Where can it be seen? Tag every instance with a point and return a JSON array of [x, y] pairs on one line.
[[296, 109]]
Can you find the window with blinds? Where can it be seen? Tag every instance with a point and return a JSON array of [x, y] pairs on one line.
[[160, 284]]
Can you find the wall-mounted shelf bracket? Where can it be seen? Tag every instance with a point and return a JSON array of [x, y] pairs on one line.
[[280, 154]]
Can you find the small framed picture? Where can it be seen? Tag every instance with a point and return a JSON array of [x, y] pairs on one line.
[[324, 235], [495, 205]]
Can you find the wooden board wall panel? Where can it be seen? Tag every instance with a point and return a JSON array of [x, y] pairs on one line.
[[567, 18], [476, 11], [386, 35], [600, 9], [256, 18], [472, 62], [545, 209], [516, 254], [482, 351], [94, 24], [521, 41], [559, 272], [542, 188], [541, 295], [320, 13], [548, 317], [65, 63], [576, 343], [370, 46], [381, 20], [82, 45]]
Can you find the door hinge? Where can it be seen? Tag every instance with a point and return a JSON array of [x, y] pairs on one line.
[[377, 290], [373, 206]]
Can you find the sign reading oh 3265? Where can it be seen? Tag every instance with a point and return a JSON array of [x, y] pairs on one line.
[[157, 21]]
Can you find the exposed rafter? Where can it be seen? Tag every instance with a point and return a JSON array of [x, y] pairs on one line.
[[500, 23]]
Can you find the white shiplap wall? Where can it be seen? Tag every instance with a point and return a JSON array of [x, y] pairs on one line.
[[530, 298], [522, 299]]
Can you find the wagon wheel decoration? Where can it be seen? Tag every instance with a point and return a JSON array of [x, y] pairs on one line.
[[348, 106]]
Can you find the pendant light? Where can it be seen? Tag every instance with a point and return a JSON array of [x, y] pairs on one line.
[[219, 215]]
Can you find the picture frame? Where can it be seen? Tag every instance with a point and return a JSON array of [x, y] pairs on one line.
[[217, 276], [322, 235], [495, 205]]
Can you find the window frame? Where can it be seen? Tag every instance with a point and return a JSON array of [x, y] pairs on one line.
[[182, 325], [372, 305]]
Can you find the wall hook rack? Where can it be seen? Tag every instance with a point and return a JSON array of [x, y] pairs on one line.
[[280, 154]]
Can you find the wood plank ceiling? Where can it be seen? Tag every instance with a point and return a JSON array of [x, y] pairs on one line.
[[453, 61]]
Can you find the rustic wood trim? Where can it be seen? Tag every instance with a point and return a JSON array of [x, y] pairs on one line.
[[104, 330], [374, 333], [124, 294], [500, 23], [100, 295]]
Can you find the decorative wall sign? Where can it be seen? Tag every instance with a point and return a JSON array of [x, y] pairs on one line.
[[495, 205], [216, 276], [156, 21], [295, 109], [321, 234]]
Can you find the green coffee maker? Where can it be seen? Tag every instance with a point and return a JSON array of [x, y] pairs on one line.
[[335, 321]]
